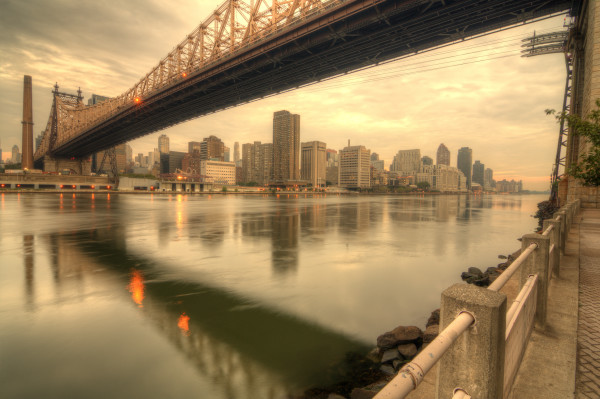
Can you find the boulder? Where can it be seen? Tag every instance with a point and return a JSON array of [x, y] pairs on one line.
[[475, 271], [335, 396], [501, 257], [492, 270], [482, 282], [390, 355], [399, 335], [387, 369], [408, 351], [373, 355], [434, 318], [431, 332], [398, 364]]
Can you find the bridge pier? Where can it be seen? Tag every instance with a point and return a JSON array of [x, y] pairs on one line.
[[74, 165]]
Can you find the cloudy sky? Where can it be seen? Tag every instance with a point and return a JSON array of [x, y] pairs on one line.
[[479, 93]]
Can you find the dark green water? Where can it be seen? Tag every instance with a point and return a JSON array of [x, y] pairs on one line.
[[156, 296]]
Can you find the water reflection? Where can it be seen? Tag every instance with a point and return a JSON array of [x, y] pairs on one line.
[[261, 295], [29, 272], [136, 287], [226, 336], [284, 242]]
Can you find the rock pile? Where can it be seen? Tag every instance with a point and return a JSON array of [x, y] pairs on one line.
[[475, 276]]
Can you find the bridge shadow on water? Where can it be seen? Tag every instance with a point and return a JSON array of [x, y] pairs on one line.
[[218, 330]]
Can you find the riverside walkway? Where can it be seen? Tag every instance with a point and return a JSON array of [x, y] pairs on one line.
[[562, 359]]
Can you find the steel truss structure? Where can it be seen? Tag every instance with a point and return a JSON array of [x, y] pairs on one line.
[[552, 43], [248, 49]]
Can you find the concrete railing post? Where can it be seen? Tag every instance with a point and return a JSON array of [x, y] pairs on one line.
[[563, 229], [475, 362], [537, 263], [569, 209], [554, 240]]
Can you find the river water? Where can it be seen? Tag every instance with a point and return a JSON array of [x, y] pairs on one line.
[[224, 296]]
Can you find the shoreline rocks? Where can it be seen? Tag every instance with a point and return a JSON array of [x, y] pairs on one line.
[[475, 276]]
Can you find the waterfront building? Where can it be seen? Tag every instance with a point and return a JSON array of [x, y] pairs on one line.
[[236, 152], [488, 179], [194, 146], [478, 172], [426, 160], [176, 161], [16, 155], [464, 162], [355, 167], [96, 99], [332, 175], [257, 163], [191, 163], [38, 142], [286, 146], [121, 156], [374, 156], [314, 163], [440, 177], [163, 144], [379, 164], [226, 154], [407, 161], [333, 158], [505, 186], [218, 172], [212, 148], [443, 155]]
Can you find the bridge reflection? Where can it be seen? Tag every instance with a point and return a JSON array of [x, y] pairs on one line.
[[248, 350]]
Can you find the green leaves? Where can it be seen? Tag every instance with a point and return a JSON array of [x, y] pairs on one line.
[[588, 167]]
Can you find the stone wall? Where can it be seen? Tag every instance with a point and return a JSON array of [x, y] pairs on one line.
[[589, 196], [586, 87]]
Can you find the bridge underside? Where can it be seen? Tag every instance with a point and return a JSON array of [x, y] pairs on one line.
[[351, 36]]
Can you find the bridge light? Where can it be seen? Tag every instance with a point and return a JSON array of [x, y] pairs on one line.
[[184, 74], [93, 187], [137, 100]]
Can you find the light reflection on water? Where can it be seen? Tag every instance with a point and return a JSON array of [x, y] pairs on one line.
[[237, 297]]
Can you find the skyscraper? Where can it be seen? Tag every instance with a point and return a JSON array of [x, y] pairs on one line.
[[314, 163], [488, 179], [16, 155], [236, 152], [286, 146], [407, 161], [464, 162], [478, 169], [426, 160], [212, 148], [163, 144], [355, 167], [443, 155], [257, 162], [194, 146]]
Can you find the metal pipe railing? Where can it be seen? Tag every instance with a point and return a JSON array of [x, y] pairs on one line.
[[522, 294], [460, 393], [507, 274], [548, 230], [411, 375]]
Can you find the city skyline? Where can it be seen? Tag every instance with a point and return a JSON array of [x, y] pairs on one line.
[[489, 103]]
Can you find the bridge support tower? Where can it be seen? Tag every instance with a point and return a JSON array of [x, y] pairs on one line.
[[73, 165]]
